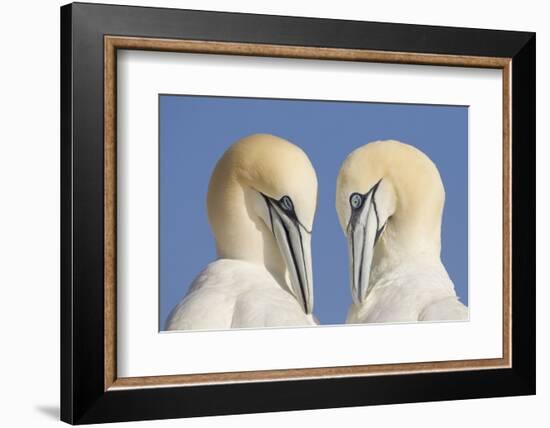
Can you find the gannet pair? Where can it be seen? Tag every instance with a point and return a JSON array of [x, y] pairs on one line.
[[261, 203]]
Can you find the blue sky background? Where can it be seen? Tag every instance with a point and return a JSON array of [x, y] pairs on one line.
[[195, 131]]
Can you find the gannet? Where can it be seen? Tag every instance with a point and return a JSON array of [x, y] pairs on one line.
[[261, 203], [389, 199]]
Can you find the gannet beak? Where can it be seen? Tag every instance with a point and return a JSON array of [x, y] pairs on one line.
[[294, 242], [363, 232]]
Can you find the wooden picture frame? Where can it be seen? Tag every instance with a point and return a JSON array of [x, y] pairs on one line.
[[91, 390]]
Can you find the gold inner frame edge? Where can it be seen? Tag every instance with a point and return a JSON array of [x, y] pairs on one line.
[[113, 43]]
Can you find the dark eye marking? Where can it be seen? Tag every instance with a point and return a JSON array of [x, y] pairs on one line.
[[356, 200], [286, 204]]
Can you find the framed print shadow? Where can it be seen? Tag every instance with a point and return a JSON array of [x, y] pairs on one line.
[[265, 213]]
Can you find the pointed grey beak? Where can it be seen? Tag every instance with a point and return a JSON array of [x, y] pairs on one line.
[[363, 232], [294, 242]]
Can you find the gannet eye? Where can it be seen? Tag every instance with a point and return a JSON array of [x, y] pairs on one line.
[[286, 203], [356, 200]]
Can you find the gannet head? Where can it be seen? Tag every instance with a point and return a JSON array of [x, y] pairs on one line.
[[389, 199], [261, 203]]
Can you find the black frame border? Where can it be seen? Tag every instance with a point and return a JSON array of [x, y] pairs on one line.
[[83, 399]]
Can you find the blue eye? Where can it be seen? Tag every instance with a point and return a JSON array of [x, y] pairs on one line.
[[356, 200], [286, 203]]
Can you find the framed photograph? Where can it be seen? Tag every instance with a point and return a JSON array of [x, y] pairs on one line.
[[265, 213]]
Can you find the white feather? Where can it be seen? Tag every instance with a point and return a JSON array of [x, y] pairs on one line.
[[410, 292], [236, 294]]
